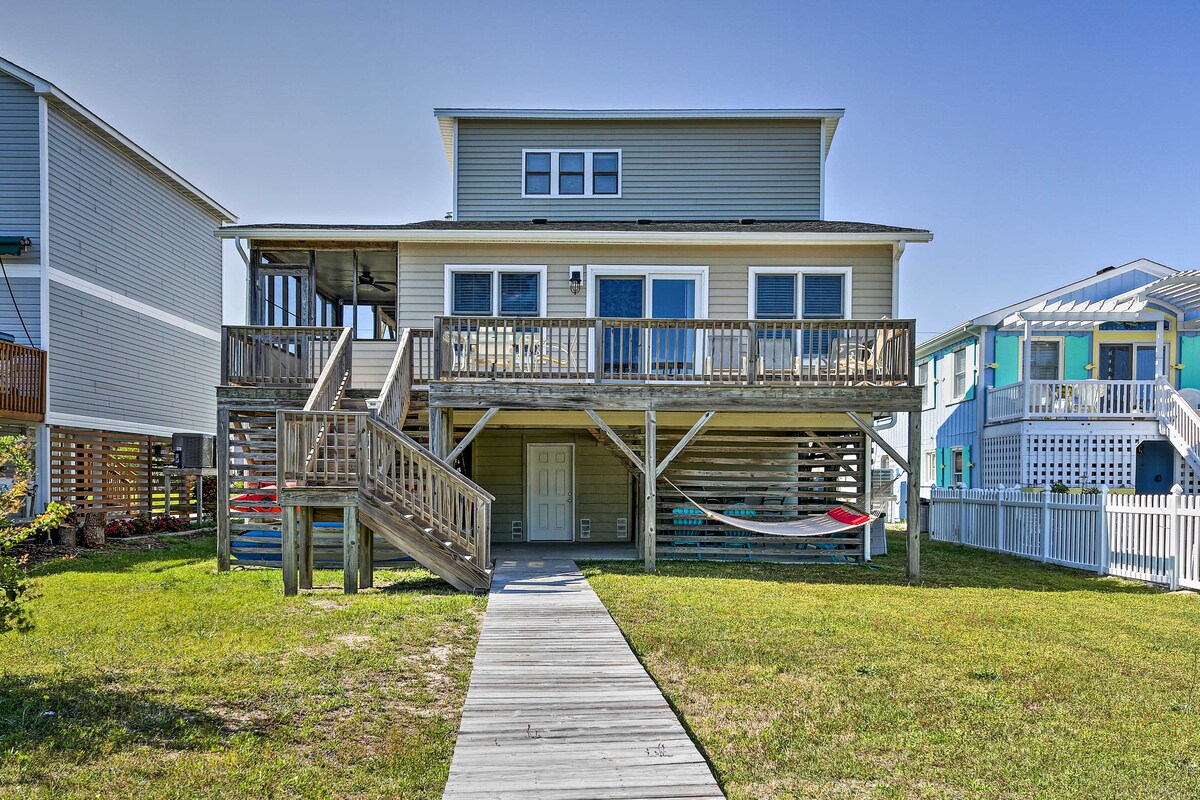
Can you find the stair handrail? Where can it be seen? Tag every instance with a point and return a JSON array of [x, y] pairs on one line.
[[395, 397], [458, 509], [1179, 418], [334, 377]]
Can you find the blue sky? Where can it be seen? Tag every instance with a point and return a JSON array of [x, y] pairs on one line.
[[1039, 141]]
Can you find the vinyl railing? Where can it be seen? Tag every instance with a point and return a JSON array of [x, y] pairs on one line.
[[743, 352], [1180, 421], [396, 394], [1090, 399], [1153, 538], [22, 381], [275, 357]]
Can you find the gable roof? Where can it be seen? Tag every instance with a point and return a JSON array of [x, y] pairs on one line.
[[448, 117], [998, 315], [78, 113]]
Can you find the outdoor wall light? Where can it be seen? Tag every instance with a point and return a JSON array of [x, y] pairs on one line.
[[1178, 366], [1089, 367], [992, 365], [576, 281]]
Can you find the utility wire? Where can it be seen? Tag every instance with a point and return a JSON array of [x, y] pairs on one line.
[[20, 316]]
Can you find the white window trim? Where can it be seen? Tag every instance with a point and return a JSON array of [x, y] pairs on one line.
[[588, 185], [968, 373], [847, 274], [595, 271], [929, 467], [495, 270], [929, 387], [958, 451]]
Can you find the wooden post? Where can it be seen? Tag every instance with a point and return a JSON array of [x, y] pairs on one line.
[[350, 550], [441, 435], [287, 549], [650, 490], [912, 542], [366, 557], [223, 533], [1160, 371], [306, 547]]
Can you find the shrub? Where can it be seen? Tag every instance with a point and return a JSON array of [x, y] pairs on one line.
[[16, 589]]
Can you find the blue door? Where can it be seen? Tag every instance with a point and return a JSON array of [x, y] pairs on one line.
[[1144, 367], [1116, 362], [621, 297], [1154, 468]]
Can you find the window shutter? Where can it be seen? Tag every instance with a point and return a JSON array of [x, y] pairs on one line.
[[823, 296], [518, 294], [775, 297], [966, 451], [472, 294]]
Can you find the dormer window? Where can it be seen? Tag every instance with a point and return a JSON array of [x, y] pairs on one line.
[[571, 173]]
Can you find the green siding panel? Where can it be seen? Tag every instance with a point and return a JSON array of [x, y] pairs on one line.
[[603, 485], [1008, 359], [1189, 357], [1077, 354]]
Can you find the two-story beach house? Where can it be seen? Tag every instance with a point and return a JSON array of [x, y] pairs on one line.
[[110, 314], [1090, 384], [622, 305]]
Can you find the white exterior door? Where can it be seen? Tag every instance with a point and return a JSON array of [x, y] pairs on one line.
[[550, 488]]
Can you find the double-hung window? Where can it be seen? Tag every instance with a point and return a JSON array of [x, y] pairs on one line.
[[796, 293], [959, 373], [571, 173], [926, 384], [956, 466], [479, 291]]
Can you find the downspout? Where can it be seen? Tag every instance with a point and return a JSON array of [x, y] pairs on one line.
[[237, 242]]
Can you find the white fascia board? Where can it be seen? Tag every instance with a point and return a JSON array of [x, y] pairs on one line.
[[573, 237], [640, 113], [947, 337]]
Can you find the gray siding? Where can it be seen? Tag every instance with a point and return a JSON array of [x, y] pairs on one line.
[[422, 271], [116, 225], [20, 202], [108, 362], [671, 169], [26, 291]]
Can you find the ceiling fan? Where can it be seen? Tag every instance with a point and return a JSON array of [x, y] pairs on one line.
[[367, 279]]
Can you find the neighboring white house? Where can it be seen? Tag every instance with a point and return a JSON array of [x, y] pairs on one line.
[[117, 282]]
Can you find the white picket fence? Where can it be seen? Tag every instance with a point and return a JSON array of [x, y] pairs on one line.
[[1153, 538]]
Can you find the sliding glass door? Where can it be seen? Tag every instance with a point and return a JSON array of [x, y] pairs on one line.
[[648, 349]]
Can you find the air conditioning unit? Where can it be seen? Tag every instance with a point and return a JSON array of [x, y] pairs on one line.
[[194, 450]]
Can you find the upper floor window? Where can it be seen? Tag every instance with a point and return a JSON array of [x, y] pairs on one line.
[[1044, 360], [794, 293], [959, 357], [486, 291], [571, 173], [926, 384]]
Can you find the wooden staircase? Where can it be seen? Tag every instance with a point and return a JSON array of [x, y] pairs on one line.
[[339, 450]]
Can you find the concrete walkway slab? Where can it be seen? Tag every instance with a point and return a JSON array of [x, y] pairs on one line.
[[559, 708]]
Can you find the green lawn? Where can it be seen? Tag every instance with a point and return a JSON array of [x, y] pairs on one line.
[[998, 678], [149, 675]]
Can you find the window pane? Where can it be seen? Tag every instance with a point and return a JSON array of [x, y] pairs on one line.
[[604, 184], [570, 184], [472, 293], [775, 297], [537, 184], [604, 162], [537, 162], [1043, 361], [823, 296], [570, 162], [518, 293]]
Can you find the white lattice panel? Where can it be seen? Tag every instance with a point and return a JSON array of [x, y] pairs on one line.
[[1001, 461], [1185, 476], [1097, 459]]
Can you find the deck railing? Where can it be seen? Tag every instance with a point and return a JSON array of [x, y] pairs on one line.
[[334, 377], [423, 345], [389, 466], [22, 381], [275, 356], [1073, 400], [742, 352]]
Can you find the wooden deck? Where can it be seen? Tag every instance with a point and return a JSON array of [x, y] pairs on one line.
[[559, 707]]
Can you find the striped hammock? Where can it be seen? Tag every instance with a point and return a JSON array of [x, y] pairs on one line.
[[836, 520]]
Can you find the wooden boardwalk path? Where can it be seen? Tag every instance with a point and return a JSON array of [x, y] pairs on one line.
[[559, 707]]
